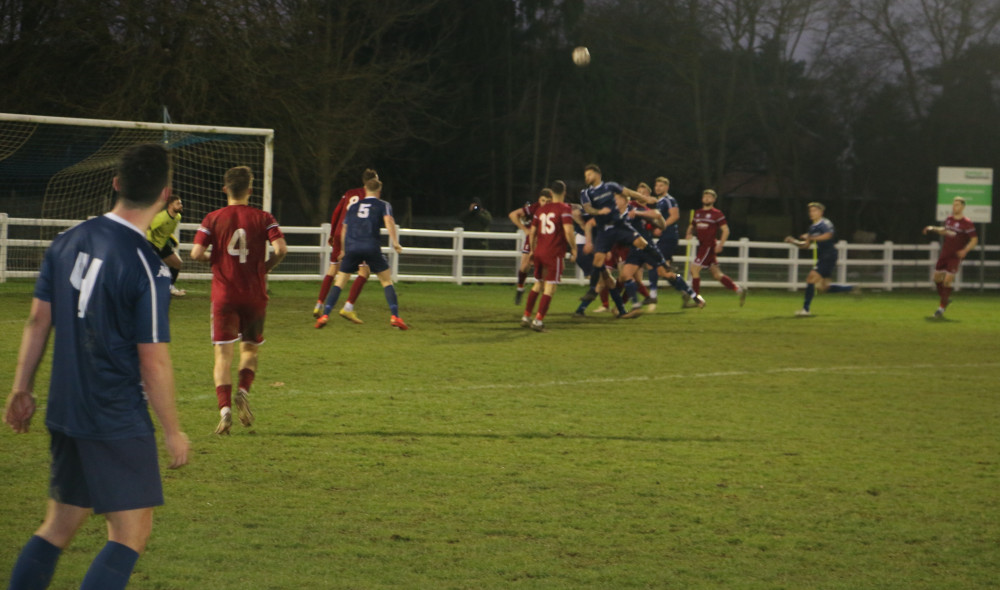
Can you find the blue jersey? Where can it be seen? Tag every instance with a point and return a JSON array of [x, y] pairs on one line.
[[362, 224], [601, 196], [109, 291], [664, 205], [637, 222], [826, 247]]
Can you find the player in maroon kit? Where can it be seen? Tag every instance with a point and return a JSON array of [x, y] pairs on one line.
[[336, 227], [550, 236], [238, 235], [521, 217], [959, 239], [709, 221]]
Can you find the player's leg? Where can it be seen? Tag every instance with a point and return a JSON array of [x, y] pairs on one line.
[[693, 299], [128, 531], [38, 558], [174, 263], [347, 312], [222, 374], [324, 289], [339, 281], [522, 273], [812, 280], [946, 289], [533, 294], [247, 373], [385, 278]]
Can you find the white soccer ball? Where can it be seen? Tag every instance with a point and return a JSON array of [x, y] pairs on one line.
[[581, 56]]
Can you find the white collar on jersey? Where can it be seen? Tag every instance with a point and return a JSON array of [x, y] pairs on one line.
[[125, 222]]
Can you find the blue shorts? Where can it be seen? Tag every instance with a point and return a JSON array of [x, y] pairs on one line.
[[618, 233], [667, 247], [373, 258], [106, 475], [826, 264]]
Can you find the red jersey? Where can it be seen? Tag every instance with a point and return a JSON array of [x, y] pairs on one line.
[[528, 211], [957, 234], [550, 234], [238, 235], [707, 223], [337, 219]]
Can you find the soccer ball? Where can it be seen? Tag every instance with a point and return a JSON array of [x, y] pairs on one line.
[[581, 56]]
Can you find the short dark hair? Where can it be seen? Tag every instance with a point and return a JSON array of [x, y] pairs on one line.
[[545, 193], [238, 180], [367, 175], [593, 167], [558, 187], [172, 198], [143, 173]]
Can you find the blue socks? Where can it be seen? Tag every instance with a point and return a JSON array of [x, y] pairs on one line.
[[111, 569], [810, 292], [840, 289], [682, 286], [331, 299], [390, 298], [35, 565]]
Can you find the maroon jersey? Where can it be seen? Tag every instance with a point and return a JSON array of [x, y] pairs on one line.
[[550, 235], [957, 234], [238, 235], [337, 219], [707, 223]]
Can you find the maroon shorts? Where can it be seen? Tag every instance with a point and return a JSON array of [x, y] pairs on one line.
[[526, 247], [548, 269], [238, 321], [705, 256], [948, 264]]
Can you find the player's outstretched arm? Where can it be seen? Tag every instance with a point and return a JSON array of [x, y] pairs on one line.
[[20, 406], [157, 372], [637, 196], [280, 251]]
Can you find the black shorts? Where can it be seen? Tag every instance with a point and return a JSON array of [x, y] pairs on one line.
[[165, 251], [106, 475], [826, 264]]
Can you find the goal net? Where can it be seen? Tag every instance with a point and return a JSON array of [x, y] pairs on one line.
[[55, 169]]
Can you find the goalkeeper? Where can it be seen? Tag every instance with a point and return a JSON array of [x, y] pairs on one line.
[[161, 235]]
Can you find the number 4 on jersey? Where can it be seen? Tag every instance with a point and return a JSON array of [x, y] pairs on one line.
[[83, 278], [238, 245]]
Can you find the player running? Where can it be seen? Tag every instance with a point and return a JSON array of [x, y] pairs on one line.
[[821, 233], [521, 217], [336, 226], [959, 239], [598, 199], [710, 223], [238, 235], [550, 236], [361, 244]]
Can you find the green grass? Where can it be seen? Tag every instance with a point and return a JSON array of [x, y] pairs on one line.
[[722, 448]]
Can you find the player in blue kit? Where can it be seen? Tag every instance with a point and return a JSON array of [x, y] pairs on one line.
[[669, 236], [598, 199], [361, 243], [821, 233], [106, 293]]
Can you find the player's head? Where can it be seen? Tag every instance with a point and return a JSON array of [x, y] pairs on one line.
[[958, 206], [661, 186], [367, 175], [238, 182], [558, 189], [621, 201], [591, 174], [708, 197], [174, 204], [816, 210], [544, 197], [373, 186], [143, 173], [644, 189]]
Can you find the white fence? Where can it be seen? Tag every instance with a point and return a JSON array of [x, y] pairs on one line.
[[458, 256]]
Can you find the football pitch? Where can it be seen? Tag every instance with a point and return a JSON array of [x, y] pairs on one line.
[[735, 448]]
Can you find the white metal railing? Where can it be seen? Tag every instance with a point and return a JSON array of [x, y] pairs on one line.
[[777, 265]]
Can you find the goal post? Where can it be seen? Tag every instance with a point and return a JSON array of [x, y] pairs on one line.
[[69, 154], [60, 168]]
